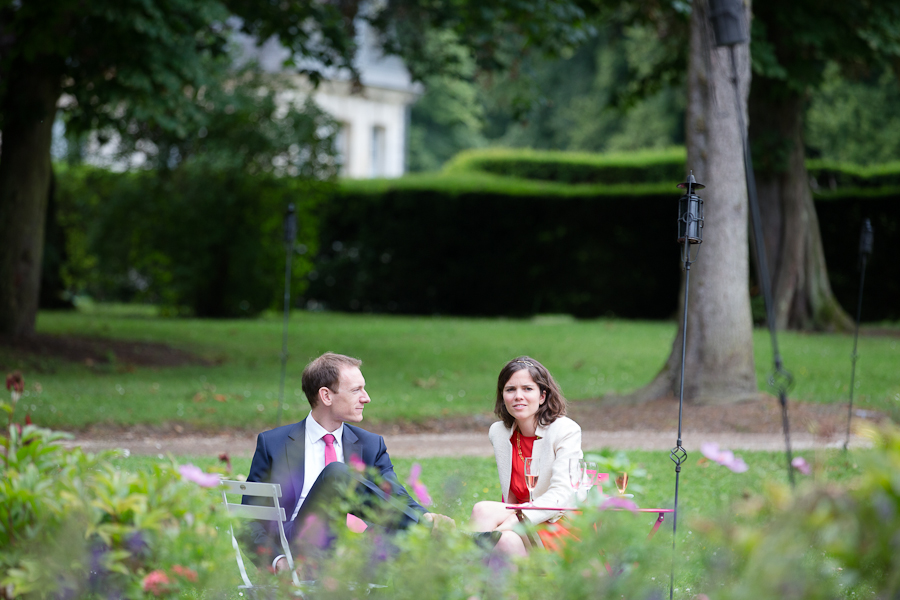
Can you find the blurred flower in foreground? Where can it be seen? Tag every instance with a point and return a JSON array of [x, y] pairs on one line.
[[195, 474], [355, 524], [156, 582], [724, 457], [615, 502], [189, 574], [801, 465], [418, 488], [357, 464]]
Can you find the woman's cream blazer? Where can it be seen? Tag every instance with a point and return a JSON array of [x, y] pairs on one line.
[[556, 444]]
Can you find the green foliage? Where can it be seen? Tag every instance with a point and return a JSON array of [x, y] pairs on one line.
[[209, 241], [249, 121], [855, 121], [448, 118], [827, 541], [73, 526], [575, 167], [596, 98]]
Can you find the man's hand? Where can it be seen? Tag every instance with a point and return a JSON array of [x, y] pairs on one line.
[[281, 565], [439, 522]]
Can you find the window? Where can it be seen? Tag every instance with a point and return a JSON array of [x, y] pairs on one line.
[[378, 151]]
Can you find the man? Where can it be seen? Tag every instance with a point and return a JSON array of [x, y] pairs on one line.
[[308, 458]]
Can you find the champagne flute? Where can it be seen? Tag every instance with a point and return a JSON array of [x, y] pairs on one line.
[[531, 476], [622, 482], [576, 472], [588, 480]]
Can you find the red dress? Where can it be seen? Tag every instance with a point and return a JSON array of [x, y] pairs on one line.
[[553, 535]]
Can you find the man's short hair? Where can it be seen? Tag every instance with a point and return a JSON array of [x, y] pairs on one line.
[[325, 371]]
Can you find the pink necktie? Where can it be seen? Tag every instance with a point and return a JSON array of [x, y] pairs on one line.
[[330, 455]]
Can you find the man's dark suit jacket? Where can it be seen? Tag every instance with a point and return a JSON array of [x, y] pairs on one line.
[[280, 458]]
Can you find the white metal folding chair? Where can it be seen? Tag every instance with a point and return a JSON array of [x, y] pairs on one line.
[[276, 513]]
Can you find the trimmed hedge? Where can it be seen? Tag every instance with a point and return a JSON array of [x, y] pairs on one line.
[[641, 167], [436, 250], [573, 167], [195, 241], [485, 245]]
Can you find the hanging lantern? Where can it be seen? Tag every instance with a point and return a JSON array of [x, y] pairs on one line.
[[690, 212]]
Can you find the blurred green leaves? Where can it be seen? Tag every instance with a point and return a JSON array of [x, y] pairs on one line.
[[72, 525]]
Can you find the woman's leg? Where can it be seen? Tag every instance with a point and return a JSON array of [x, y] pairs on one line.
[[492, 516], [511, 544]]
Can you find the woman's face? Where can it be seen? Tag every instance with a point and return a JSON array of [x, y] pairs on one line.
[[523, 397]]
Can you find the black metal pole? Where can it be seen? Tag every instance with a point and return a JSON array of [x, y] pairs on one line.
[[865, 248], [690, 224], [678, 454], [781, 379], [290, 236]]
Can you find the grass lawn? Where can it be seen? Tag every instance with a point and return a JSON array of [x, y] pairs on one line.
[[416, 367]]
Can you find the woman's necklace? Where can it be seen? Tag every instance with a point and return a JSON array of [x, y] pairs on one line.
[[519, 445]]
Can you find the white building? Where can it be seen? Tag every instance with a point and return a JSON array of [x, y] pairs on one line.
[[374, 120]]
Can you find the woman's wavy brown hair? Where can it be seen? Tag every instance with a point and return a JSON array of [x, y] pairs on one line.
[[553, 407]]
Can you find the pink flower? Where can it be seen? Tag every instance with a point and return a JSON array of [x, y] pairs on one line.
[[156, 582], [195, 474], [801, 465], [418, 488], [189, 574], [724, 457], [355, 524], [357, 464], [616, 502]]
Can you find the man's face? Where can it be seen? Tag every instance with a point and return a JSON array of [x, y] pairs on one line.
[[348, 401]]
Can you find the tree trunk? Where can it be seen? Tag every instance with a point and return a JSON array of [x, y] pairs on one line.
[[802, 292], [29, 108], [719, 356]]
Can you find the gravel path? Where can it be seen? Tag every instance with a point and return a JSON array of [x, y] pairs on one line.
[[429, 445]]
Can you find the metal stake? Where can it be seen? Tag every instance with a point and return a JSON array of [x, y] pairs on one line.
[[781, 379], [290, 236], [690, 225], [865, 248]]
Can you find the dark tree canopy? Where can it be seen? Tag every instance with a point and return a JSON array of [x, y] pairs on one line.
[[132, 64]]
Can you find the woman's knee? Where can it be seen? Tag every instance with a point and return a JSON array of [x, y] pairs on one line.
[[481, 512], [511, 543]]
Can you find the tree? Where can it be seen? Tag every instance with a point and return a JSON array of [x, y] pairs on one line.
[[109, 55], [719, 359], [793, 43], [101, 54]]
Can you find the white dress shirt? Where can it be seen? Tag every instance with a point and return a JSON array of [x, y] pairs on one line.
[[314, 460], [314, 457]]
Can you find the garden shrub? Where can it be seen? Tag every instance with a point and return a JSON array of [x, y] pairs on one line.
[[453, 243], [442, 250], [832, 176], [822, 542], [574, 167], [72, 526], [194, 240]]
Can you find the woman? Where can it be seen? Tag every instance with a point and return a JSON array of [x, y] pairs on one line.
[[533, 423]]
